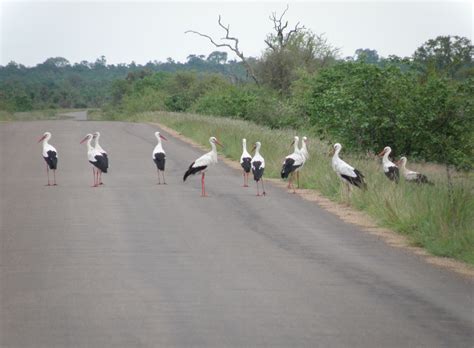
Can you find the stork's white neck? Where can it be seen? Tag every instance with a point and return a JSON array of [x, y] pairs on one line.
[[45, 142], [403, 162], [336, 152], [296, 149], [386, 154], [244, 145], [89, 146], [257, 149], [97, 140], [213, 146]]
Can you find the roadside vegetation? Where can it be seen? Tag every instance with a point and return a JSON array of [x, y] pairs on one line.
[[422, 106]]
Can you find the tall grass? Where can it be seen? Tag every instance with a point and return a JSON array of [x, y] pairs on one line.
[[428, 215]]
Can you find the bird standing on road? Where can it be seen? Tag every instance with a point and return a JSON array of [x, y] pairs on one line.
[[202, 163], [50, 156], [389, 168], [410, 175], [96, 159], [292, 163], [159, 157], [346, 172], [245, 160], [258, 167], [99, 148]]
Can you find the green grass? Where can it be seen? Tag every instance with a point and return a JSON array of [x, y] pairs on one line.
[[35, 115], [426, 214]]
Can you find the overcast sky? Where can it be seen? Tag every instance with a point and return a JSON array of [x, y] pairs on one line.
[[31, 31]]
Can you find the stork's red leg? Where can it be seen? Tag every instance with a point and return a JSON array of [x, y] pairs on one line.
[[100, 178], [164, 181], [263, 188], [203, 185], [93, 176], [54, 175], [47, 173]]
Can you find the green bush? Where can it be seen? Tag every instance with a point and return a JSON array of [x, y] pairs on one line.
[[367, 107], [260, 105]]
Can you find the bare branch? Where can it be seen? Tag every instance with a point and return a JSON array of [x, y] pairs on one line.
[[234, 48], [280, 28]]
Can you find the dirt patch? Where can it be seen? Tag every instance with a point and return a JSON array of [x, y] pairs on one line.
[[349, 215]]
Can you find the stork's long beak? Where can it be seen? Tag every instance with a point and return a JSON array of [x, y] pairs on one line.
[[254, 147], [42, 138], [381, 154], [83, 140], [397, 162], [162, 137], [332, 152], [218, 143]]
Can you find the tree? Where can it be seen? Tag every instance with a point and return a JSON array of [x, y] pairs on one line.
[[234, 47], [217, 57], [446, 55], [290, 51], [367, 56]]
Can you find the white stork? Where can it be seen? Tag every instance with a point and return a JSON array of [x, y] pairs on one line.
[[50, 156], [410, 175], [292, 163], [96, 159], [245, 162], [159, 157], [389, 168], [346, 172], [99, 148], [258, 167], [202, 163]]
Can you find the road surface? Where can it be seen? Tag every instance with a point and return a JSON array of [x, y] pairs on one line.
[[137, 264]]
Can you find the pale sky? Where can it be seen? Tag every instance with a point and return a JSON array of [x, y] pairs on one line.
[[142, 31]]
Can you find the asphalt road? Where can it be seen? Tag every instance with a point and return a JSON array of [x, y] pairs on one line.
[[137, 264]]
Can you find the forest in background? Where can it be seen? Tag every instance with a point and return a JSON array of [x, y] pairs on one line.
[[421, 105]]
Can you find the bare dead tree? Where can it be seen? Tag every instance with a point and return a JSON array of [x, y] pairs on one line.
[[282, 38], [234, 47]]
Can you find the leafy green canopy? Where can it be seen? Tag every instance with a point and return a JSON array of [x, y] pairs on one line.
[[367, 107]]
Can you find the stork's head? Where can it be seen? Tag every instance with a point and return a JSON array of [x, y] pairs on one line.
[[402, 161], [86, 138], [296, 139], [213, 140], [96, 135], [305, 139], [244, 141], [257, 145], [386, 149], [336, 148], [46, 136], [158, 136]]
